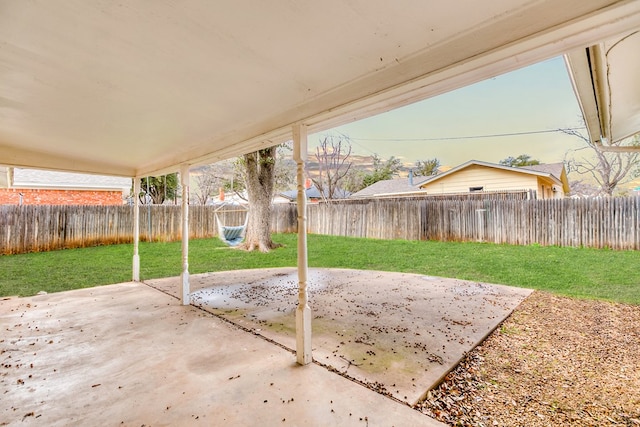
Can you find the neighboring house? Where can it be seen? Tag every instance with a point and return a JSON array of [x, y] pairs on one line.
[[546, 181], [228, 198], [549, 181], [313, 194], [40, 187], [392, 187], [278, 198]]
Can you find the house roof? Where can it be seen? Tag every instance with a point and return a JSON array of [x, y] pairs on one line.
[[313, 193], [540, 170], [555, 169], [143, 88], [33, 178], [390, 186]]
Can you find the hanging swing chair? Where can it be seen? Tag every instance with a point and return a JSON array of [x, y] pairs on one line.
[[231, 235]]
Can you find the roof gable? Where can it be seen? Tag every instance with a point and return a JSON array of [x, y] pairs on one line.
[[471, 163]]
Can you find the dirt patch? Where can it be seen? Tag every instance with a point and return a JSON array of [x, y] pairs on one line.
[[555, 361]]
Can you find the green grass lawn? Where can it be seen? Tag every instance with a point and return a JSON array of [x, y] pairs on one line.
[[585, 273]]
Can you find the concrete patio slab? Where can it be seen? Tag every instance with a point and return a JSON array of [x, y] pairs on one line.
[[400, 334], [130, 355]]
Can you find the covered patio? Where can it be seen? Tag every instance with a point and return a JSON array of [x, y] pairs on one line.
[[132, 355], [396, 333], [136, 89]]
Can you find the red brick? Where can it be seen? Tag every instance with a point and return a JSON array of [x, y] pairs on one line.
[[11, 196]]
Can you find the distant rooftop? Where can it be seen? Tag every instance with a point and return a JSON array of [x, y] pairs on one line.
[[388, 186], [313, 193], [34, 178], [554, 169]]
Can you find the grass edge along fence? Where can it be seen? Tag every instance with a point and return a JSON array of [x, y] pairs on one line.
[[597, 223], [50, 227]]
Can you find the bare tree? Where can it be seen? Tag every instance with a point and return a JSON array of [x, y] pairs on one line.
[[332, 155], [209, 179], [285, 174], [583, 188], [608, 169]]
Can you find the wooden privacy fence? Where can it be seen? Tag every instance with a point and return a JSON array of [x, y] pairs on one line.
[[391, 218], [43, 228], [597, 223]]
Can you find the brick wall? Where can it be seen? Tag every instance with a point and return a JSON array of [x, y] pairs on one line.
[[11, 196]]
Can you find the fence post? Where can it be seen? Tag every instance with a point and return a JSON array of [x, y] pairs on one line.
[[480, 223]]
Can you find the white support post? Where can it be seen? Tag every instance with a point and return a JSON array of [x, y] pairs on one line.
[[303, 312], [136, 229], [184, 277]]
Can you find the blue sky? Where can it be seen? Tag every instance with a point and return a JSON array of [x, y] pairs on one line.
[[535, 98]]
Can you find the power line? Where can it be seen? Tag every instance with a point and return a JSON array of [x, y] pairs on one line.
[[451, 138], [345, 136]]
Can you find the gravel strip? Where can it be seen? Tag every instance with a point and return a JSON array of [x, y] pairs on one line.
[[556, 361]]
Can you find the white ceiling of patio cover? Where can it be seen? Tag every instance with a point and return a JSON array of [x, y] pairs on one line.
[[137, 87], [606, 78]]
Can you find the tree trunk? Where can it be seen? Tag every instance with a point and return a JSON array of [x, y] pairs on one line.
[[260, 176]]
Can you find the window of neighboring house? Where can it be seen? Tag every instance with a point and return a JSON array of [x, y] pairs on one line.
[[545, 192], [474, 189]]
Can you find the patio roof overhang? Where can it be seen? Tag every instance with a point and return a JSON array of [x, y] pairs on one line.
[[139, 88], [605, 79]]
